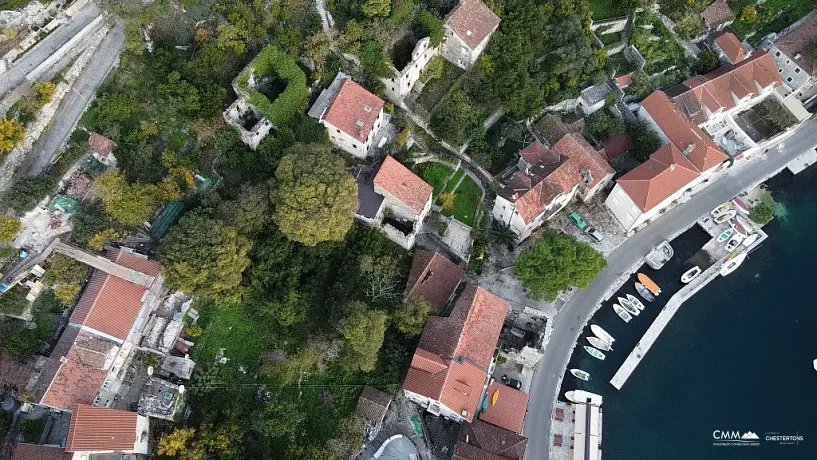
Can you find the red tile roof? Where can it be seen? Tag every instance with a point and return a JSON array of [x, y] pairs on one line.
[[433, 278], [483, 441], [666, 172], [509, 410], [452, 359], [552, 173], [687, 137], [624, 81], [101, 144], [403, 184], [473, 22], [110, 304], [720, 88], [718, 13], [101, 429], [801, 41], [80, 374], [731, 47], [617, 145], [24, 451], [348, 111]]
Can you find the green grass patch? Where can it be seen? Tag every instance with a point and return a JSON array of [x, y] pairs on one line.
[[435, 174], [773, 16], [468, 196], [435, 89], [604, 9], [455, 179], [619, 64], [13, 301], [231, 328], [610, 39]]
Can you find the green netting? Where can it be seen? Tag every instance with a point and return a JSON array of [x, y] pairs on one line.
[[166, 218], [64, 204]]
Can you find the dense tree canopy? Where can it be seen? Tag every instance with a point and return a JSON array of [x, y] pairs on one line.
[[11, 132], [364, 331], [132, 204], [9, 227]]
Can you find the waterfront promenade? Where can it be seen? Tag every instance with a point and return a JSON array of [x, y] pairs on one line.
[[569, 322]]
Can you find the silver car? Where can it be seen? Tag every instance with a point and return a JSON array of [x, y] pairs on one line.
[[595, 234]]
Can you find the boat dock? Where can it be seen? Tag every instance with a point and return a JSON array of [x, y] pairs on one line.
[[660, 255]]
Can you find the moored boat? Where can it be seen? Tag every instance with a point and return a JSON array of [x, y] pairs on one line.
[[644, 292], [739, 227], [690, 274], [649, 284], [721, 210], [594, 352], [584, 397], [571, 396], [750, 240], [734, 242], [732, 263], [601, 333], [628, 306], [580, 374], [622, 313], [725, 235], [600, 344], [814, 363], [741, 205], [635, 302], [725, 216]]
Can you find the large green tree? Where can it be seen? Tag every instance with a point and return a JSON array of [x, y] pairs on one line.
[[364, 330], [315, 197], [557, 262], [204, 257]]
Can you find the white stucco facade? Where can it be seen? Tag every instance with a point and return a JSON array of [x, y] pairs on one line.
[[399, 86], [798, 81], [350, 144]]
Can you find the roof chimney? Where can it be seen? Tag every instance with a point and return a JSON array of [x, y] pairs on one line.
[[798, 56], [672, 167], [688, 150]]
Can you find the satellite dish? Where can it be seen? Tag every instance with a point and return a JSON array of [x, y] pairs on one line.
[[181, 389], [150, 371]]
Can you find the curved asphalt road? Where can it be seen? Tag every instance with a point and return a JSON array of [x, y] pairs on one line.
[[573, 316]]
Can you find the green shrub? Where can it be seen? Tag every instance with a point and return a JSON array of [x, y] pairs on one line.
[[291, 101]]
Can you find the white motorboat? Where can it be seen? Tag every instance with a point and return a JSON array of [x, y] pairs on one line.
[[631, 309], [622, 313], [580, 374], [601, 333], [635, 302], [721, 210], [599, 343], [725, 216], [733, 263], [690, 274], [594, 353], [584, 397], [750, 240], [571, 396], [814, 363], [734, 242]]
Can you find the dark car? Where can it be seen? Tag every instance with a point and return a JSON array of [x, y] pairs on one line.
[[513, 383]]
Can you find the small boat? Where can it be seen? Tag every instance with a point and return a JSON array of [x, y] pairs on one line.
[[635, 302], [814, 363], [628, 306], [583, 397], [571, 396], [739, 227], [649, 284], [725, 235], [741, 205], [733, 263], [721, 210], [594, 353], [600, 344], [726, 216], [622, 313], [601, 333], [734, 242], [580, 374], [750, 240], [644, 292], [690, 274]]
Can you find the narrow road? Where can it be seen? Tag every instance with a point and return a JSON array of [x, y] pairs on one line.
[[73, 105], [46, 48], [569, 322]]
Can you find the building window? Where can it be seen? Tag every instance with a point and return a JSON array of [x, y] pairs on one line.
[[777, 54], [354, 146], [797, 70], [788, 61], [337, 131], [788, 79]]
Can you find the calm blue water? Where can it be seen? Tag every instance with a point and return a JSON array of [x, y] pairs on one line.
[[736, 357]]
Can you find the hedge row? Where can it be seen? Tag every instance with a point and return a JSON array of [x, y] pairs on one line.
[[292, 100]]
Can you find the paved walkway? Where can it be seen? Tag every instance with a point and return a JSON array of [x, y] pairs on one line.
[[572, 318]]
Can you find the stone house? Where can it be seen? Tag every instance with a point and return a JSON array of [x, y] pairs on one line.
[[399, 86], [433, 278], [793, 53], [372, 406], [718, 15], [352, 116], [468, 30], [729, 49], [102, 148], [484, 441], [98, 430], [545, 180]]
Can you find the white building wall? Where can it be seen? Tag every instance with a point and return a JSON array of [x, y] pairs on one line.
[[623, 208], [425, 402], [349, 144], [400, 85], [797, 80]]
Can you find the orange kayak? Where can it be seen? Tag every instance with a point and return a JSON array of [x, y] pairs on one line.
[[649, 284]]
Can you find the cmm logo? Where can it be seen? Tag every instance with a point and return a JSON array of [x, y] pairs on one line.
[[723, 437]]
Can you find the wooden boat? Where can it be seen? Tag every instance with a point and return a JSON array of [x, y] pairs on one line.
[[725, 235], [601, 333], [721, 210], [622, 313], [600, 344], [750, 240], [741, 205], [580, 374], [628, 306], [734, 242], [733, 263], [649, 284], [594, 353], [644, 292], [726, 216], [738, 226], [635, 302], [690, 274]]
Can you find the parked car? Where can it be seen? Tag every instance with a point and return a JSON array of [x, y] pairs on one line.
[[577, 219], [595, 234], [513, 383]]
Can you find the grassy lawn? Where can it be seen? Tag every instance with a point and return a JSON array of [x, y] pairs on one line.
[[13, 301], [604, 9], [466, 203], [774, 16], [609, 39], [620, 64], [436, 88], [435, 174], [660, 54], [233, 329], [452, 183]]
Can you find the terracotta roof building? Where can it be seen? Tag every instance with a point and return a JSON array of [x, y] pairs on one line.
[[658, 178], [552, 128], [483, 441], [394, 179], [617, 145], [509, 410], [352, 115], [434, 279], [101, 145], [372, 405], [450, 366], [793, 53], [727, 90], [23, 451], [99, 430], [729, 48], [718, 15], [468, 30], [545, 180]]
